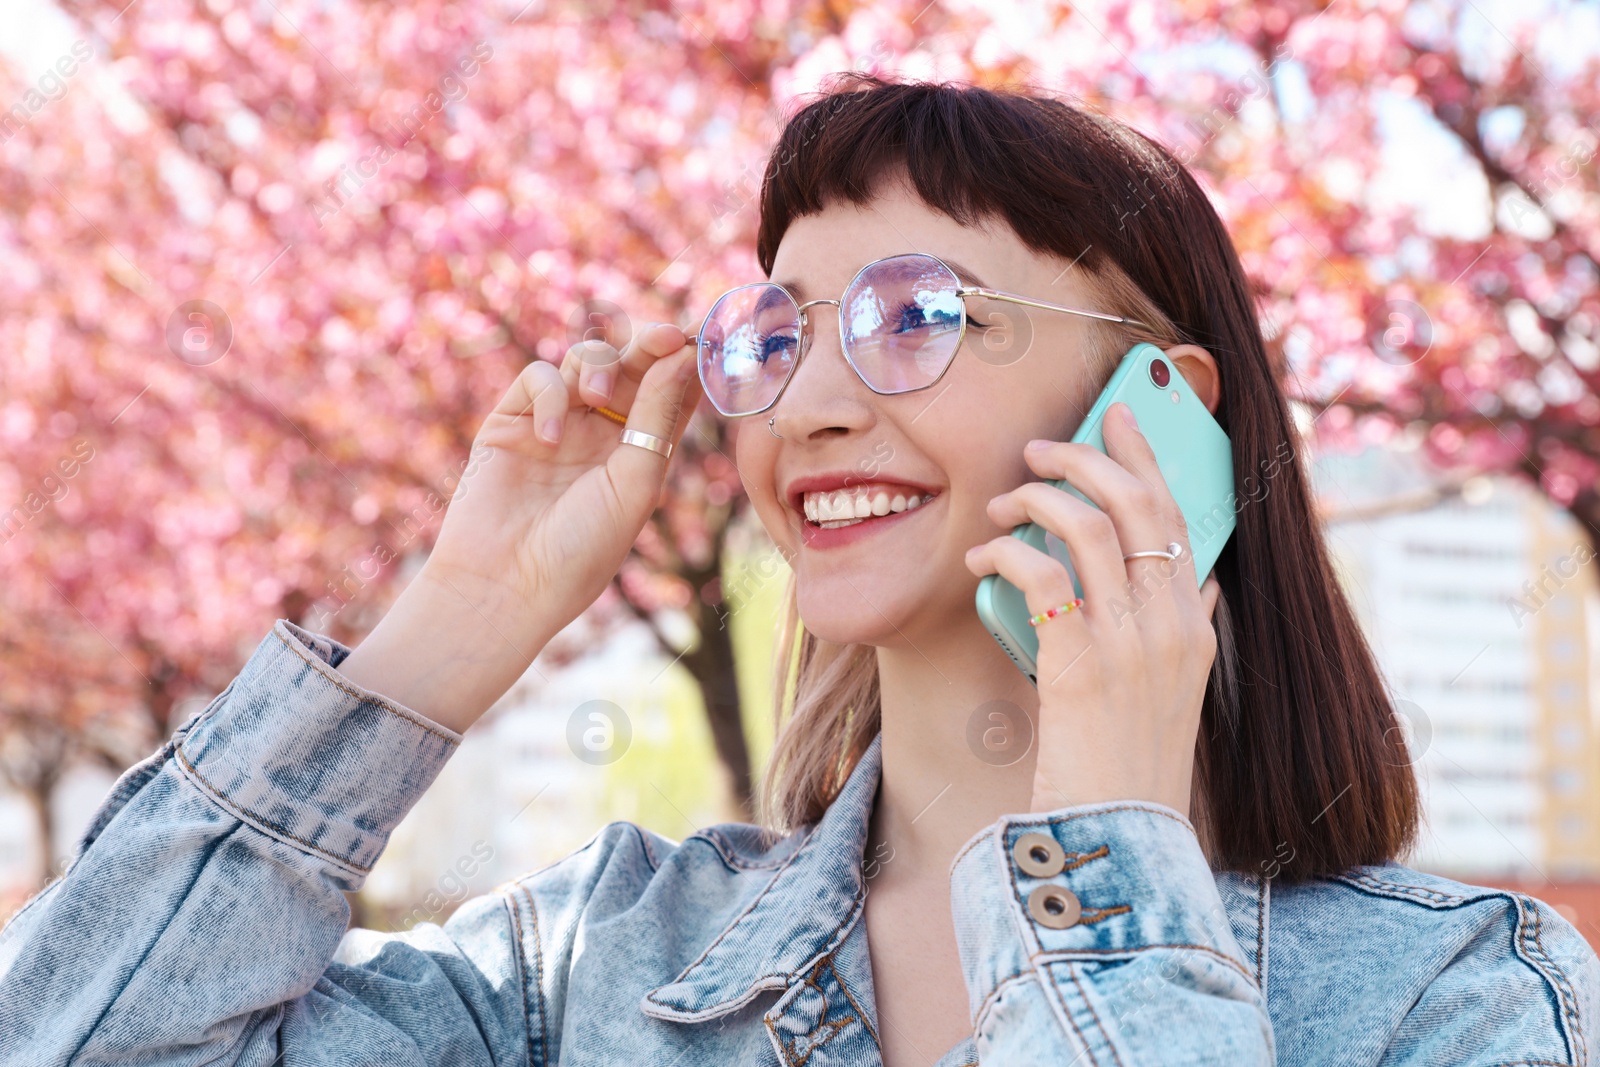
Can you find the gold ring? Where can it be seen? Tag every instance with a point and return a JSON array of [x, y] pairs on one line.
[[614, 416]]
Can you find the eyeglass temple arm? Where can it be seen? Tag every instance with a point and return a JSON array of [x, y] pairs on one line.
[[995, 294]]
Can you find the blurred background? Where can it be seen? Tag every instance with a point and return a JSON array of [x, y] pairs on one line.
[[264, 264]]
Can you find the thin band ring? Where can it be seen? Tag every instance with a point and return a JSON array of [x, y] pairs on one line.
[[1174, 550], [646, 440]]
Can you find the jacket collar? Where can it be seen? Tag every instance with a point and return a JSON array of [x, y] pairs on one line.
[[803, 913]]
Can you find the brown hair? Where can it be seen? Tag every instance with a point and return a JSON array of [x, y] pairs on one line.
[[1301, 766]]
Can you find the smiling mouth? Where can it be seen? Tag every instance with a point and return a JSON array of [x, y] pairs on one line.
[[840, 508]]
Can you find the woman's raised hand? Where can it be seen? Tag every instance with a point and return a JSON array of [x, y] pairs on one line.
[[552, 501], [1121, 679], [543, 517]]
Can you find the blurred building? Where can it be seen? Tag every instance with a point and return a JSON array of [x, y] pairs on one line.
[[1482, 608]]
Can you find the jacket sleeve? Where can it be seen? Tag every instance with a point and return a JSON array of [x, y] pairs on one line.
[[1096, 935], [202, 919]]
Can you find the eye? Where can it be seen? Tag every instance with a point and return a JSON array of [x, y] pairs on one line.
[[777, 345]]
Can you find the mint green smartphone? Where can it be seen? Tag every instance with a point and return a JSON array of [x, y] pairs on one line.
[[1194, 456]]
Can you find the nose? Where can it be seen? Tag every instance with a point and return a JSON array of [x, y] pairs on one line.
[[824, 392]]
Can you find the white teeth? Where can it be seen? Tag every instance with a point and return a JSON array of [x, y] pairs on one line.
[[845, 507]]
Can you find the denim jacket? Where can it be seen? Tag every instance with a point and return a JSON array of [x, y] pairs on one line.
[[202, 921]]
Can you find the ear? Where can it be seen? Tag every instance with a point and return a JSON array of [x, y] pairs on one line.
[[1199, 369]]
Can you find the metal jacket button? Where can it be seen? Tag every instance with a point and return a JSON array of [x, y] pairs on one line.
[[1039, 855], [1052, 906]]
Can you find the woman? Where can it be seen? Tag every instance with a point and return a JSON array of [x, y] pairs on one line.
[[1188, 858]]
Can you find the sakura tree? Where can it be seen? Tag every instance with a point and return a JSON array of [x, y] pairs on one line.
[[266, 265]]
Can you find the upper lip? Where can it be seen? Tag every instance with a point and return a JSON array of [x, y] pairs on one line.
[[845, 479]]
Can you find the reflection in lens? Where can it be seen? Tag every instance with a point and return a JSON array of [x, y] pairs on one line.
[[902, 320], [747, 346]]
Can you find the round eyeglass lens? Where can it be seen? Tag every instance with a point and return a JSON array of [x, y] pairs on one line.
[[748, 345], [901, 320]]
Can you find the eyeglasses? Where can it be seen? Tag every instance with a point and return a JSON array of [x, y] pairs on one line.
[[901, 321]]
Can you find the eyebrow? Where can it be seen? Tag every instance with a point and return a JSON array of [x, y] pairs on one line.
[[963, 273]]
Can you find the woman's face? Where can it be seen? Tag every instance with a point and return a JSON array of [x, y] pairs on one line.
[[887, 580]]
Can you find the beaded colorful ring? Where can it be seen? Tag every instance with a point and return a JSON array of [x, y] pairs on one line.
[[615, 416], [1053, 612]]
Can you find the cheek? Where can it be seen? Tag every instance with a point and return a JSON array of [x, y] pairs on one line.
[[755, 452]]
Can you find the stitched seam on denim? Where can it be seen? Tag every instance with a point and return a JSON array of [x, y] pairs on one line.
[[1084, 993], [866, 1022], [826, 956], [1560, 986], [1571, 994], [1563, 990], [788, 1045], [644, 842], [724, 849], [1081, 815], [755, 988], [1078, 859], [1417, 893], [650, 996], [1263, 887], [324, 671], [527, 876], [1048, 980], [834, 1027], [1066, 954], [777, 1042], [983, 1008], [1090, 916], [522, 975], [1106, 811], [842, 930], [538, 986], [242, 813], [1044, 976]]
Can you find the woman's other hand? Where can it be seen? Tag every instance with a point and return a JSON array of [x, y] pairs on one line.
[[1121, 679]]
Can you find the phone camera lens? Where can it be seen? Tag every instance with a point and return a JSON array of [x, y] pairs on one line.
[[1160, 373]]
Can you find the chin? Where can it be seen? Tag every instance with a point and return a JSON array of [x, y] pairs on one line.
[[843, 628], [836, 613]]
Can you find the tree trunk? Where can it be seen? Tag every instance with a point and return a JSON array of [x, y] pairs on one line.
[[712, 665], [38, 796], [1585, 508]]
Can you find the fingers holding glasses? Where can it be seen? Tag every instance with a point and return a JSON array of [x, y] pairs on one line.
[[602, 376]]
